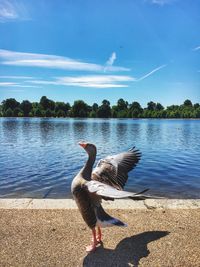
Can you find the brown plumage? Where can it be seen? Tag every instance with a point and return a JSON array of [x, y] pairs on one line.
[[106, 181]]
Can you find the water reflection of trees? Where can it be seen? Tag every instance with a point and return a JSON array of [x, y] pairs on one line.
[[128, 133], [57, 131], [47, 128], [153, 132], [105, 131], [10, 130], [121, 130], [80, 130]]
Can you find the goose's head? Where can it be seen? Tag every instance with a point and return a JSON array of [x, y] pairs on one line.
[[89, 148]]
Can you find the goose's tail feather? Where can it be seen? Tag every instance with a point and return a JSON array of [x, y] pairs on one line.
[[105, 220], [140, 196]]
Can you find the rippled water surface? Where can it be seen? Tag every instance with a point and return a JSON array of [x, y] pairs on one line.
[[40, 157]]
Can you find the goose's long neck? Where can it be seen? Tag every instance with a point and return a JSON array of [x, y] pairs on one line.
[[87, 169]]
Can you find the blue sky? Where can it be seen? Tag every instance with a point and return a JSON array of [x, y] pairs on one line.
[[139, 50]]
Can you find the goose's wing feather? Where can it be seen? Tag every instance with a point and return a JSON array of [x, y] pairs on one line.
[[113, 170], [108, 191]]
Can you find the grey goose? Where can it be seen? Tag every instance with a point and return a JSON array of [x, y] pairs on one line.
[[106, 182]]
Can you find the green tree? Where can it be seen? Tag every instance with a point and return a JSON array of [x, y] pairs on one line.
[[93, 114], [197, 112], [26, 107], [187, 103], [104, 110], [196, 105], [65, 107], [1, 111], [151, 105], [95, 107], [159, 107], [122, 104], [93, 111], [135, 110], [60, 113], [47, 103], [49, 113], [17, 111], [10, 103], [8, 113], [80, 109], [120, 110], [35, 105], [38, 112]]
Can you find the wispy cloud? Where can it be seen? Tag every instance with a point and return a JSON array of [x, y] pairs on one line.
[[196, 48], [12, 84], [111, 59], [7, 84], [161, 2], [150, 73], [52, 61], [12, 10], [95, 81], [16, 77]]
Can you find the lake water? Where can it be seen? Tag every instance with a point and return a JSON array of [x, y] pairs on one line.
[[40, 157]]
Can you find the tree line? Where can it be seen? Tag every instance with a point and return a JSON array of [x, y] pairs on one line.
[[49, 108]]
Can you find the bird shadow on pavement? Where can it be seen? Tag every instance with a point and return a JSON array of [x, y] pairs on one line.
[[128, 252]]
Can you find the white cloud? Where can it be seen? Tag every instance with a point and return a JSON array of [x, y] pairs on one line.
[[7, 10], [111, 59], [196, 48], [96, 81], [16, 77], [51, 61], [12, 10], [27, 86], [151, 72], [7, 84], [12, 84], [97, 78], [161, 2]]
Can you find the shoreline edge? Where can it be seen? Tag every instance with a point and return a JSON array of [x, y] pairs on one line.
[[127, 204]]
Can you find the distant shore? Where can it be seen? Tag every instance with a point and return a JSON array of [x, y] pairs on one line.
[[121, 109], [82, 118]]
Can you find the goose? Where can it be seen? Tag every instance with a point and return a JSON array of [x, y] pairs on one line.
[[106, 182]]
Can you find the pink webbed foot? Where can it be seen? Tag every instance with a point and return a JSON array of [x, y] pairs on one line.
[[91, 248]]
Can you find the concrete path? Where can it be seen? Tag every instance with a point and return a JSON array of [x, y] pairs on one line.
[[30, 203], [155, 236]]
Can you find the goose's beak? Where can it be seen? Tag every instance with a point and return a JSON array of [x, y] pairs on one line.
[[82, 144]]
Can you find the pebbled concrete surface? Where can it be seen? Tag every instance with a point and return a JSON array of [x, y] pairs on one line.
[[154, 237]]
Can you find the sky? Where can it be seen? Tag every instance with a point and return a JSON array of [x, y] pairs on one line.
[[138, 50]]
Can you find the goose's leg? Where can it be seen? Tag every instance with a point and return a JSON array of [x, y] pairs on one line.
[[99, 235], [92, 247]]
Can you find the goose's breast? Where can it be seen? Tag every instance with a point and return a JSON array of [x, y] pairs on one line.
[[85, 204]]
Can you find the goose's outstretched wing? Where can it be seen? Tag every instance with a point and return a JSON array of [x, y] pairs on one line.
[[113, 170], [110, 192]]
